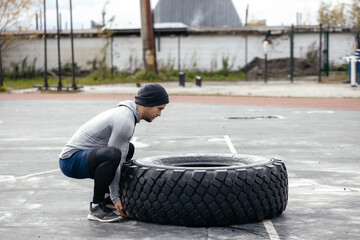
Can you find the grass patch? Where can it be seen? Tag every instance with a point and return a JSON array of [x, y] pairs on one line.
[[97, 78]]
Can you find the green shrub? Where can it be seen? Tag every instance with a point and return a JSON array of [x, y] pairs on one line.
[[144, 75], [343, 67]]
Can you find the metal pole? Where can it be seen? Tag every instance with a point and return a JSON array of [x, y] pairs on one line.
[[158, 38], [246, 43], [40, 19], [292, 54], [326, 52], [46, 85], [72, 49], [37, 21], [179, 53], [266, 48], [112, 56], [58, 43], [320, 53], [353, 71], [357, 54], [265, 67]]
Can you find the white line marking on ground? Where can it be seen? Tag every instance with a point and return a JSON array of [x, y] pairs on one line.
[[39, 173], [271, 230], [230, 145], [138, 144], [13, 179], [32, 139], [31, 148], [267, 223], [310, 112]]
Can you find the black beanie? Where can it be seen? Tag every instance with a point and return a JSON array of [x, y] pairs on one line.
[[152, 94]]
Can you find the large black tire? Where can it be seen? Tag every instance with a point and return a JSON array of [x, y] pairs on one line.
[[204, 189]]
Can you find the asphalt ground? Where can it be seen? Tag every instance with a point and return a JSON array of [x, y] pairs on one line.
[[319, 146]]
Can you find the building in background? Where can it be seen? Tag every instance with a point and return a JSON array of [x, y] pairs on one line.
[[197, 13]]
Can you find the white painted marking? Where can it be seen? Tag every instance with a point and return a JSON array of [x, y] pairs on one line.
[[267, 223], [31, 139], [271, 230], [11, 178], [31, 148], [336, 189], [295, 183], [230, 145], [255, 110], [216, 140], [39, 173], [330, 112], [139, 144]]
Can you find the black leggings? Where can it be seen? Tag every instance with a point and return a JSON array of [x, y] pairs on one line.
[[102, 165]]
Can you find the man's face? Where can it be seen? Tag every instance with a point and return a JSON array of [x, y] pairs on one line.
[[151, 113]]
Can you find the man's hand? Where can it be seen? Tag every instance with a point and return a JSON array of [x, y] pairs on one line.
[[120, 209]]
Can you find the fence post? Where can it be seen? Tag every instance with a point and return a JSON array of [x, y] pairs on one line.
[[179, 54], [58, 43], [326, 52], [357, 57], [72, 49], [320, 53], [266, 49], [353, 71], [292, 54], [46, 85], [112, 55]]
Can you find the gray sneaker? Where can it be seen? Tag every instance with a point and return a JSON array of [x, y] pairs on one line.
[[103, 214]]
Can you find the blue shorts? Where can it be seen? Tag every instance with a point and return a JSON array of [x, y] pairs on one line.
[[76, 166]]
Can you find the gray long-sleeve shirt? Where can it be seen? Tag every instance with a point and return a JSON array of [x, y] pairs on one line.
[[112, 128]]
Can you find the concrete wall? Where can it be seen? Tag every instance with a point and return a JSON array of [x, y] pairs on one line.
[[85, 51], [202, 52]]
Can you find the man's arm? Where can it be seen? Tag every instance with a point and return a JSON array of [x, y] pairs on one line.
[[121, 134]]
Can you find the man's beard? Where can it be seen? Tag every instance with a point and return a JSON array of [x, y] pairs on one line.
[[148, 119]]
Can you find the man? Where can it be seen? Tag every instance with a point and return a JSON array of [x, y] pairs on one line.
[[100, 147]]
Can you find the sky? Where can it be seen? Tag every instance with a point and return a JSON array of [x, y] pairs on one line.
[[127, 12]]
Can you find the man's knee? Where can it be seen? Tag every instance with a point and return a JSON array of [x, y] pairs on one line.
[[108, 154]]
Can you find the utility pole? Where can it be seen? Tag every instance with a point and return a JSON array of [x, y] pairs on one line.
[[147, 35]]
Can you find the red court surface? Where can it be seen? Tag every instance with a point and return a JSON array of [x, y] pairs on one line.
[[325, 103]]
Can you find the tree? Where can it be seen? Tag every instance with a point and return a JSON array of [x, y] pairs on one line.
[[335, 16], [14, 19], [338, 15], [355, 13], [341, 14], [324, 13]]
